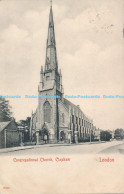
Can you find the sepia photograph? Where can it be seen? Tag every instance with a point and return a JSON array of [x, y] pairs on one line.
[[61, 96]]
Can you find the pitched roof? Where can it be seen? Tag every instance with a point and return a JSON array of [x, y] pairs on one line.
[[68, 103], [3, 125]]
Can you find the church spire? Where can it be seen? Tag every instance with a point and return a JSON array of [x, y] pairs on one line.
[[51, 56], [51, 23], [50, 3], [50, 77]]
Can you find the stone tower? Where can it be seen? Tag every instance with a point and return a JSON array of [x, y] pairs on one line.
[[50, 85], [56, 119]]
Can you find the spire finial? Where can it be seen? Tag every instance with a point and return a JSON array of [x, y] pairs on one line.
[[50, 3]]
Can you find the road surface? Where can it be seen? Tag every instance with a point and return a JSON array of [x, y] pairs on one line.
[[84, 148]]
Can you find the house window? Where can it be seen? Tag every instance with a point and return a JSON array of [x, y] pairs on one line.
[[63, 118], [47, 112]]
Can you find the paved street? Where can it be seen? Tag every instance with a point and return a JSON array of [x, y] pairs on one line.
[[84, 148]]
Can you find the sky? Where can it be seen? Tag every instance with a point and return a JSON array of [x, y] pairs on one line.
[[89, 41]]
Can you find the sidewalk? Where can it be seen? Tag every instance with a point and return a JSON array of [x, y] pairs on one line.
[[12, 149]]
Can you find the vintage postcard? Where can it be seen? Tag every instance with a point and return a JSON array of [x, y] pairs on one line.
[[61, 96]]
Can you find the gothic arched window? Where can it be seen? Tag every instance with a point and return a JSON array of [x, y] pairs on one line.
[[47, 112]]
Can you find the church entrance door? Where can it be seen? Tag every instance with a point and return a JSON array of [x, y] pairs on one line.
[[62, 136], [45, 136]]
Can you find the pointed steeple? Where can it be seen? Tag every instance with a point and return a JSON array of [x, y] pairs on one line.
[[50, 77], [51, 56], [51, 34], [51, 23]]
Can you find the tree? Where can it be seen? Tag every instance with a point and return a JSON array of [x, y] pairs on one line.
[[119, 133], [90, 137], [26, 125], [5, 110], [105, 136]]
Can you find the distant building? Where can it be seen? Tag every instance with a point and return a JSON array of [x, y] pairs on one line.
[[9, 136], [112, 133], [56, 119], [96, 133]]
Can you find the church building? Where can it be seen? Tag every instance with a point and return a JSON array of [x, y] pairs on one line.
[[56, 119]]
